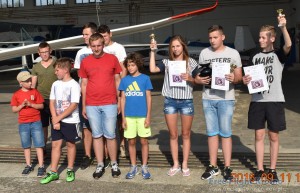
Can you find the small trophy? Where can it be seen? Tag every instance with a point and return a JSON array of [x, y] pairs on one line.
[[232, 67], [152, 39], [279, 11]]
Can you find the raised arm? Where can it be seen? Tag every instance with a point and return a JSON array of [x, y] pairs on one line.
[[287, 39], [152, 64]]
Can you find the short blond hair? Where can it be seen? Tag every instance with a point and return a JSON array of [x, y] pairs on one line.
[[64, 62], [270, 29]]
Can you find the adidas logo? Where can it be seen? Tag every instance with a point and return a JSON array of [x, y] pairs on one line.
[[133, 90]]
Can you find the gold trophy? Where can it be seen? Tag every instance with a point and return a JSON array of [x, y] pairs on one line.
[[232, 67], [152, 39], [279, 11]]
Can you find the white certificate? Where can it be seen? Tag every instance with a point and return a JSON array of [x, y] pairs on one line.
[[176, 68], [259, 81], [218, 80]]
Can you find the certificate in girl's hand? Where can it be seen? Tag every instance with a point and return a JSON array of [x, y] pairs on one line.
[[176, 68]]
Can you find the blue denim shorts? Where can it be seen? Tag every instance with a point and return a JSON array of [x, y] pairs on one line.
[[103, 120], [218, 117], [32, 132], [183, 106]]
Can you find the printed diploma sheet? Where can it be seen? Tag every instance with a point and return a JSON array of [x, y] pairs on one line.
[[176, 68], [218, 80], [259, 81]]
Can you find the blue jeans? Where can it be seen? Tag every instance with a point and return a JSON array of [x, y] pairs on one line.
[[218, 117], [31, 132], [183, 106], [103, 120]]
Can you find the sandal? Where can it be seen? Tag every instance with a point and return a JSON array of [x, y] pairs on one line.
[[186, 172], [172, 171]]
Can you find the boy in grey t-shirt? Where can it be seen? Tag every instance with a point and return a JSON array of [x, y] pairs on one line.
[[218, 105], [268, 106]]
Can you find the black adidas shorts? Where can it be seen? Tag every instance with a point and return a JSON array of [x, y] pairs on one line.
[[68, 132]]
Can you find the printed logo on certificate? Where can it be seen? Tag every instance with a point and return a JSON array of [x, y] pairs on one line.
[[176, 68], [218, 80], [259, 81]]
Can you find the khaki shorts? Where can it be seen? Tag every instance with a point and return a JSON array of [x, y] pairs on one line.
[[136, 126]]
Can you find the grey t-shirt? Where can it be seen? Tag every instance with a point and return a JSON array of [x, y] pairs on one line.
[[230, 56], [273, 63]]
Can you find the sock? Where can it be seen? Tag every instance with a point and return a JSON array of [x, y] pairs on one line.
[[100, 164], [69, 169]]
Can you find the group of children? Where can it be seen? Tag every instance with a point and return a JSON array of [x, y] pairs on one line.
[[64, 100], [135, 90]]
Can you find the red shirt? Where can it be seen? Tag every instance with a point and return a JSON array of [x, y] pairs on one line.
[[100, 72], [27, 114]]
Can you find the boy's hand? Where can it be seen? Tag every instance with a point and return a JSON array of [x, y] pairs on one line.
[[24, 103], [56, 126], [202, 80], [55, 120], [247, 79], [281, 20], [147, 123], [84, 113], [229, 77], [29, 104]]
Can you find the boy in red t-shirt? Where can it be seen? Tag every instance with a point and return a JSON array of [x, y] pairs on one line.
[[27, 102]]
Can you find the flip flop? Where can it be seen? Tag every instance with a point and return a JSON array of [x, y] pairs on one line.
[[186, 172], [173, 171]]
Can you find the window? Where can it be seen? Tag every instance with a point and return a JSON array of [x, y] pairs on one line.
[[88, 1], [11, 3], [49, 2]]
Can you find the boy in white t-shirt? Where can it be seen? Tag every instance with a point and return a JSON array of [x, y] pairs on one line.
[[87, 139], [64, 99]]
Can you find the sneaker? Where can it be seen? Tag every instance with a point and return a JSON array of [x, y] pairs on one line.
[[272, 176], [70, 176], [210, 172], [27, 170], [41, 172], [115, 171], [106, 163], [99, 172], [51, 176], [86, 162], [133, 172], [227, 174], [122, 151], [145, 172], [257, 176]]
